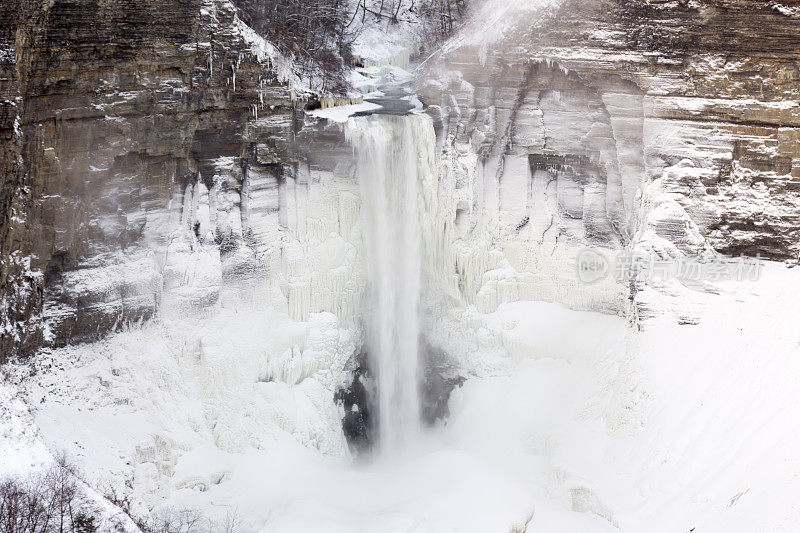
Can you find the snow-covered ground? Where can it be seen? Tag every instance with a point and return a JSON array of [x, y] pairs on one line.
[[575, 423]]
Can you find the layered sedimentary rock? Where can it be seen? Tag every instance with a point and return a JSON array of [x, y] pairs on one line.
[[154, 155], [669, 128], [146, 158]]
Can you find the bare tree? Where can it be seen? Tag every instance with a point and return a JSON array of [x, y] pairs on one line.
[[48, 503], [319, 33], [55, 502]]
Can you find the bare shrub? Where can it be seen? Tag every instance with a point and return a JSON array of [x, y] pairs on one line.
[[231, 524], [175, 521], [169, 520], [188, 521], [84, 524]]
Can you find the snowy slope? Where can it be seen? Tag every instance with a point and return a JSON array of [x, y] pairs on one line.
[[573, 420]]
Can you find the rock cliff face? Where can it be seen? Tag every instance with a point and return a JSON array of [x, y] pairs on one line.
[[143, 147], [154, 155], [665, 127]]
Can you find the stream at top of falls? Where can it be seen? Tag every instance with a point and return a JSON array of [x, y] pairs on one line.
[[390, 153]]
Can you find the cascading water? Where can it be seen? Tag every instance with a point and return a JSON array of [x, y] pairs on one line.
[[389, 171]]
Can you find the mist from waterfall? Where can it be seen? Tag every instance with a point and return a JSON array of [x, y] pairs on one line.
[[388, 164]]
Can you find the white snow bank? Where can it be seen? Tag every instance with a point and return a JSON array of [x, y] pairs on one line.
[[583, 425], [21, 447], [132, 405]]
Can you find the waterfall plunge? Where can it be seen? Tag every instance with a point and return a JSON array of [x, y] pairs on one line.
[[390, 170]]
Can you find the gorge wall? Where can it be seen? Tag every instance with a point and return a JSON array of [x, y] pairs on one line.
[[144, 145], [666, 128], [155, 155]]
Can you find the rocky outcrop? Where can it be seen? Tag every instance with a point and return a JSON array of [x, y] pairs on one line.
[[664, 126], [144, 145]]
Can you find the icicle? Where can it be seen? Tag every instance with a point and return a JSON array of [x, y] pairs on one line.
[[299, 300], [187, 217]]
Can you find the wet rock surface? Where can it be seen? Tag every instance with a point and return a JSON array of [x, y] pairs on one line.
[[357, 424], [439, 377]]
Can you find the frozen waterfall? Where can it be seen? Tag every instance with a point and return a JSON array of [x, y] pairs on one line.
[[389, 166]]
